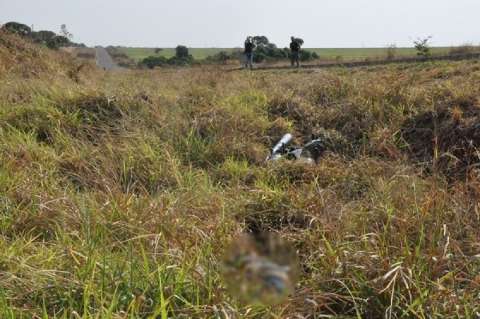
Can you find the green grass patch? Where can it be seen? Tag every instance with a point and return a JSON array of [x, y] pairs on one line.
[[325, 53]]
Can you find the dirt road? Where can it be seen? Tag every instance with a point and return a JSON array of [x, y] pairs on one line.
[[354, 64], [104, 60]]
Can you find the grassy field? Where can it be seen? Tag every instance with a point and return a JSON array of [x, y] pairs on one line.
[[363, 53], [122, 193], [346, 53], [199, 53]]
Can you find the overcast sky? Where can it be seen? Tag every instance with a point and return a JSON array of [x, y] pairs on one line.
[[226, 23]]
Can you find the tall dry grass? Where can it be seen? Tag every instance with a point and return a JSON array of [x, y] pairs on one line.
[[120, 192]]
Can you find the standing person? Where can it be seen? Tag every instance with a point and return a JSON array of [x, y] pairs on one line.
[[295, 52], [249, 46]]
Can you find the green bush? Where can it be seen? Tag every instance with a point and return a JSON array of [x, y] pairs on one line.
[[43, 37], [48, 38], [267, 51], [18, 28], [181, 58], [391, 52], [220, 57], [153, 61], [57, 42], [307, 55], [423, 47]]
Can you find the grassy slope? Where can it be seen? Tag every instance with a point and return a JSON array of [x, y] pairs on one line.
[[120, 192], [346, 53]]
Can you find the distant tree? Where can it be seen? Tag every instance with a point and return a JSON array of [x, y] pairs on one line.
[[153, 61], [265, 50], [57, 42], [64, 32], [43, 36], [181, 52], [220, 57], [158, 50], [391, 51], [48, 38], [181, 58], [18, 28], [305, 55], [260, 40], [423, 47]]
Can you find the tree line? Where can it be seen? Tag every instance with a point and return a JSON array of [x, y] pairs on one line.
[[264, 51], [43, 37], [182, 57]]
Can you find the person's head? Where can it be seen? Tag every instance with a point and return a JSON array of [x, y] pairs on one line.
[[292, 38]]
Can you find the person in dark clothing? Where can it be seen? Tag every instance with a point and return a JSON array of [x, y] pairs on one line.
[[295, 52], [249, 47]]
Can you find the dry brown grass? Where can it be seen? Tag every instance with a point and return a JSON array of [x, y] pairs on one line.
[[120, 192]]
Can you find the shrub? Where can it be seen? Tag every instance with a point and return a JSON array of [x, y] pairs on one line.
[[423, 47], [153, 61], [178, 60], [48, 38], [391, 52], [305, 55], [220, 57], [43, 36], [269, 51], [57, 42], [183, 61], [18, 28]]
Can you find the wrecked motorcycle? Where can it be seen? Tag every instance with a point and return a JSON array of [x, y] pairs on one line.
[[309, 153]]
